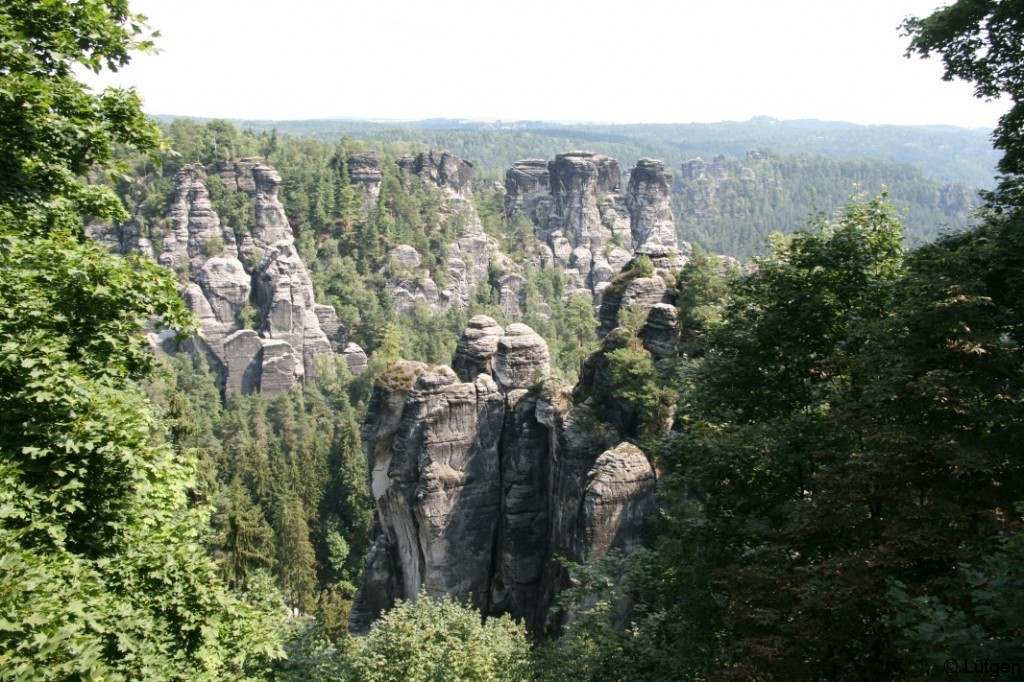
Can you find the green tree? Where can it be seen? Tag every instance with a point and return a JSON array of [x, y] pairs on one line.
[[245, 542], [44, 109], [954, 381], [703, 292], [785, 337], [440, 639], [762, 463], [103, 573], [634, 391], [295, 555], [980, 42], [986, 625]]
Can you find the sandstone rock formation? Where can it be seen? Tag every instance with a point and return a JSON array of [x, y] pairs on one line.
[[477, 347], [648, 199], [228, 271], [468, 256], [717, 169], [442, 169], [483, 476], [586, 223], [628, 292], [364, 174]]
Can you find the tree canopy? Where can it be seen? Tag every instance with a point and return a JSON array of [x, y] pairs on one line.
[[980, 41], [103, 575]]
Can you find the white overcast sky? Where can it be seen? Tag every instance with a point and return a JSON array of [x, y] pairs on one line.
[[656, 61]]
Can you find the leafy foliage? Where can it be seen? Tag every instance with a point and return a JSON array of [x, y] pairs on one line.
[[980, 617], [104, 576], [439, 639], [44, 109], [786, 334], [980, 42], [702, 291], [847, 443]]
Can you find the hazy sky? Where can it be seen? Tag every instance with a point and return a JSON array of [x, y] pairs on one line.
[[642, 61]]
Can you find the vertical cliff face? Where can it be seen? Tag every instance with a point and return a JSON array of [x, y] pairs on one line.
[[228, 270], [364, 174], [649, 200], [587, 223], [528, 190], [483, 478]]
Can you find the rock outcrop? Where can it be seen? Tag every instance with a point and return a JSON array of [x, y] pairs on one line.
[[477, 347], [364, 174], [409, 283], [587, 223], [232, 275], [483, 476], [441, 169], [649, 200], [630, 292]]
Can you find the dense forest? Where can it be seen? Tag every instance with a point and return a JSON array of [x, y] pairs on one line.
[[835, 427], [731, 206]]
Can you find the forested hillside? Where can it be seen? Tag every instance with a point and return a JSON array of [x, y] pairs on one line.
[[732, 205], [951, 155], [740, 195], [322, 401]]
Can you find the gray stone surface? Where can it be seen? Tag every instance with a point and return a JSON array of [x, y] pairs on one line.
[[364, 173], [522, 358], [271, 223], [284, 296], [192, 224], [660, 335], [619, 493], [643, 292], [442, 169], [226, 285], [405, 257], [355, 357], [223, 273], [527, 183], [469, 255], [649, 200], [279, 369], [331, 325], [525, 513], [432, 445], [243, 355], [477, 348]]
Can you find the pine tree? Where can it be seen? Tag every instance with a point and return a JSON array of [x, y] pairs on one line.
[[295, 556]]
